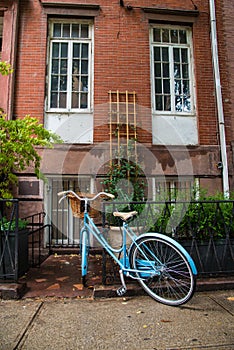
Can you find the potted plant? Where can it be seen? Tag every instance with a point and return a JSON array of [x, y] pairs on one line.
[[8, 238]]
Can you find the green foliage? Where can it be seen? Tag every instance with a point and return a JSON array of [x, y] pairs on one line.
[[203, 218], [18, 139], [125, 179], [5, 68], [11, 225]]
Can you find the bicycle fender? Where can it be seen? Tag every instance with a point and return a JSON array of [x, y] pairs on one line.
[[172, 241]]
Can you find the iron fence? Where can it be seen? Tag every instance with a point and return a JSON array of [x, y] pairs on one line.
[[204, 228], [21, 249]]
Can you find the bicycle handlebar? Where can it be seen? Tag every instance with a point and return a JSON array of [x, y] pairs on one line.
[[64, 194]]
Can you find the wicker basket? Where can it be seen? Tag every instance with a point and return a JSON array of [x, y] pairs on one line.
[[78, 206]]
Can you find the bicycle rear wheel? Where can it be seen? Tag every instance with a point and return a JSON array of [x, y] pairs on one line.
[[163, 270]]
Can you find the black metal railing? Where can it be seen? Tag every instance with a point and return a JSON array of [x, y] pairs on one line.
[[39, 239], [204, 228], [21, 249]]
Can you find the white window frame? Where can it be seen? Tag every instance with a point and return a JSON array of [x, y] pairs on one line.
[[188, 45], [70, 42]]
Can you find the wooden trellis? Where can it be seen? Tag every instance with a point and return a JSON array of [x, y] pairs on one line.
[[122, 125]]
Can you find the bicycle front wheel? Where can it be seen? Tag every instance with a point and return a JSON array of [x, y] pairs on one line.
[[163, 270]]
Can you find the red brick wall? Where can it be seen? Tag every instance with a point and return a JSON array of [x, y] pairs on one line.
[[121, 61], [227, 62]]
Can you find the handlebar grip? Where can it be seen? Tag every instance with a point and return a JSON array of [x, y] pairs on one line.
[[61, 193], [110, 195]]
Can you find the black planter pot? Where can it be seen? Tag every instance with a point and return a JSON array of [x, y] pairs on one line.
[[211, 257], [7, 261]]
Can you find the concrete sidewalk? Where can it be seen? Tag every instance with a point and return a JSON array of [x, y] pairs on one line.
[[206, 322]]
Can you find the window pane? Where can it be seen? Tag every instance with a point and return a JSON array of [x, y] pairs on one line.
[[167, 103], [62, 100], [157, 54], [186, 87], [183, 36], [55, 50], [166, 70], [64, 48], [177, 70], [165, 35], [66, 31], [185, 72], [76, 50], [84, 83], [75, 66], [63, 67], [84, 100], [75, 100], [57, 30], [76, 83], [84, 31], [176, 55], [158, 85], [55, 66], [54, 83], [178, 87], [54, 99], [157, 69], [187, 104], [166, 86], [165, 56], [63, 83], [174, 36], [184, 55], [84, 53], [75, 30], [156, 35], [159, 103], [84, 67], [178, 104]]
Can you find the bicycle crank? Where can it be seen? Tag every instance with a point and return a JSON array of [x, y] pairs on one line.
[[123, 289]]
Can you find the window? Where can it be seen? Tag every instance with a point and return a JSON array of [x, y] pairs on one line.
[[171, 70], [70, 66]]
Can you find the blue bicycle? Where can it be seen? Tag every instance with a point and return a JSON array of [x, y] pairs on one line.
[[161, 265]]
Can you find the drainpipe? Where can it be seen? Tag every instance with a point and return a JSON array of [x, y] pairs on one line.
[[219, 99]]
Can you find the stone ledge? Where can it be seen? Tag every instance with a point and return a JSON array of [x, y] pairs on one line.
[[12, 290]]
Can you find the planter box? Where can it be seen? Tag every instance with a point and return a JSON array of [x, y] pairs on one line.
[[6, 267], [212, 257]]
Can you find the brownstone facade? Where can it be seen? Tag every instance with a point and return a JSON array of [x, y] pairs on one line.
[[122, 62]]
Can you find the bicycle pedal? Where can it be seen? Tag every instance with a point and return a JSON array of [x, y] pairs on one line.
[[121, 291]]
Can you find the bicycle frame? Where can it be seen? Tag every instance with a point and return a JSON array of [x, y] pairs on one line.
[[90, 227]]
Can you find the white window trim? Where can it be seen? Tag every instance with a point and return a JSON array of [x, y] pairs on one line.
[[191, 70], [89, 40]]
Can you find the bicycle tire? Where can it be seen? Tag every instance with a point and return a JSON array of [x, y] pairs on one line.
[[173, 282], [84, 256]]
